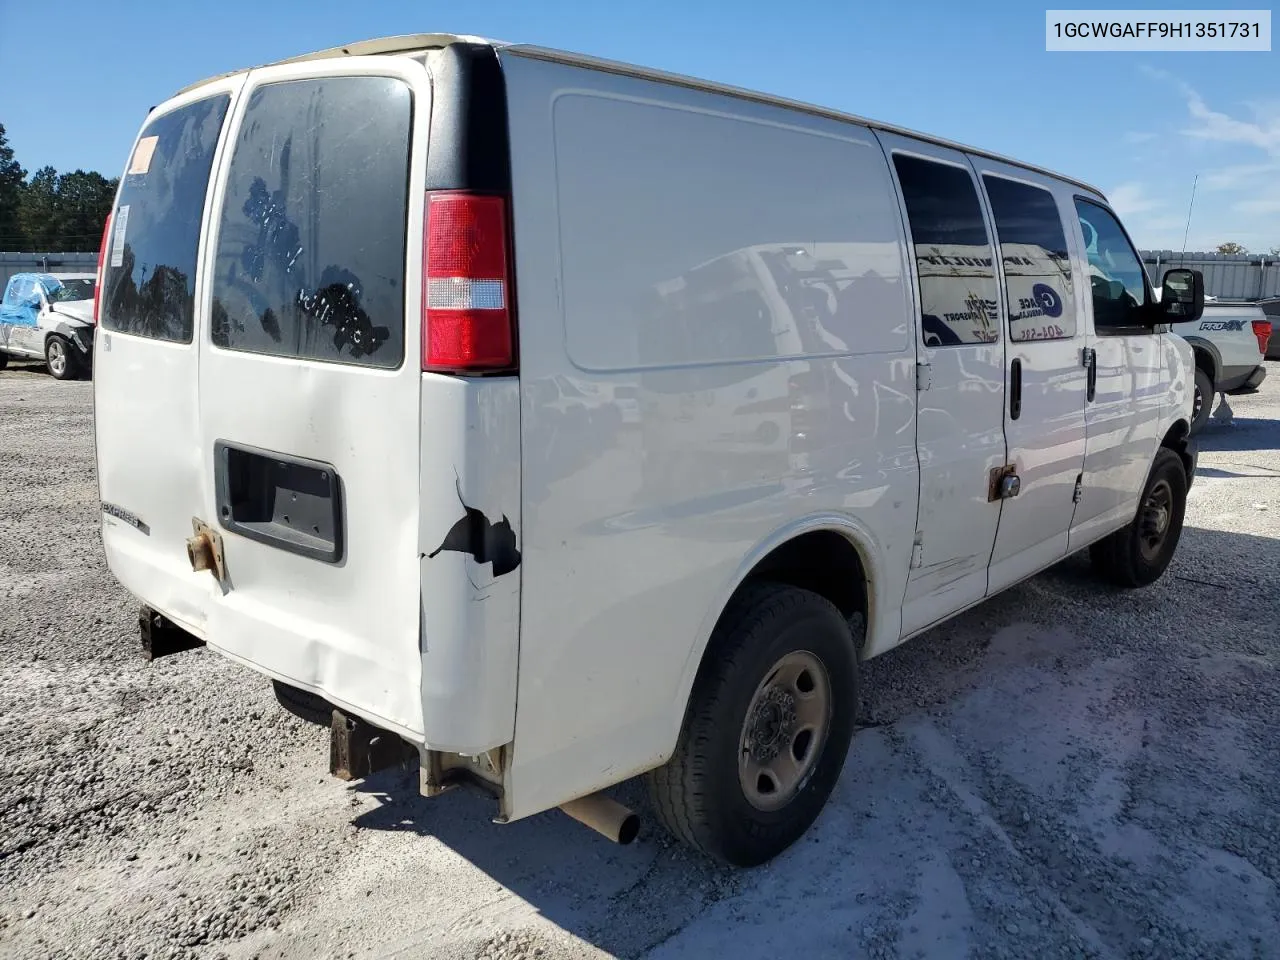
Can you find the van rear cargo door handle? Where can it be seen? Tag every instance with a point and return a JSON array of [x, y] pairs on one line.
[[1015, 389]]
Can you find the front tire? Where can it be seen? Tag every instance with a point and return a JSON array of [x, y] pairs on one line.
[[1202, 405], [60, 359], [1139, 554], [767, 729]]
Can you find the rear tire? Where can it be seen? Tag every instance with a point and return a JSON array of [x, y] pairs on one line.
[[4, 360], [1139, 554], [767, 728], [60, 358], [1202, 406], [303, 704]]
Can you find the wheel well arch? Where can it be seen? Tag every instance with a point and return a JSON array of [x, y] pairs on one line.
[[1207, 357], [811, 554], [1176, 439], [824, 561]]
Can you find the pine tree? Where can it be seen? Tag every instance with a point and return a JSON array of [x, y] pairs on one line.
[[12, 178]]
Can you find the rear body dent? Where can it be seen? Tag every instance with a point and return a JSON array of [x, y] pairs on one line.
[[469, 557]]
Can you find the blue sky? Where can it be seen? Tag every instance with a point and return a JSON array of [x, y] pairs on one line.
[[1140, 126]]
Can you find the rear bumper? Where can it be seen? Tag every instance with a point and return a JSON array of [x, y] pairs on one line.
[[1241, 379]]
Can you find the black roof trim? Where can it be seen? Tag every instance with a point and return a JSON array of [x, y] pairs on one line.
[[469, 148]]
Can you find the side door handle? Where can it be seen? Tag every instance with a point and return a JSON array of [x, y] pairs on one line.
[[1015, 389], [1090, 360]]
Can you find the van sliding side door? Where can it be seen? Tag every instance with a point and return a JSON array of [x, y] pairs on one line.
[[960, 388]]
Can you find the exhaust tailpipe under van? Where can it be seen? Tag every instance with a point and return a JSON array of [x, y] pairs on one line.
[[606, 816]]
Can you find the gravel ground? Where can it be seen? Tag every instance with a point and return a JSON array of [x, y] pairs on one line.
[[1067, 771]]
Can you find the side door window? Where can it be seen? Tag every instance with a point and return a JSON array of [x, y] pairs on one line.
[[1037, 267], [1117, 281], [958, 299]]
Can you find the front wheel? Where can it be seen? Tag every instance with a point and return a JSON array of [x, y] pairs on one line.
[[767, 729], [59, 359], [1141, 552]]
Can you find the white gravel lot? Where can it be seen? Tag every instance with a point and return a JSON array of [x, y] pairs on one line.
[[1067, 771]]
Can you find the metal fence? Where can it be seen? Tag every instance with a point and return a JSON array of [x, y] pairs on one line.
[[1226, 276], [11, 263]]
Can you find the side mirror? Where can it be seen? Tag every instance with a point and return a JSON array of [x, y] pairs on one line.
[[1182, 296]]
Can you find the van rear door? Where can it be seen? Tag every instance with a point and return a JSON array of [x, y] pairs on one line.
[[310, 381], [146, 415]]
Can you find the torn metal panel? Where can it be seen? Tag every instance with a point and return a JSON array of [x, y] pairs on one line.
[[485, 541], [470, 548]]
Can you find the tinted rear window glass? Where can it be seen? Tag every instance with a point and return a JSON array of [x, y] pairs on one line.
[[1037, 270], [150, 270], [958, 293], [311, 246]]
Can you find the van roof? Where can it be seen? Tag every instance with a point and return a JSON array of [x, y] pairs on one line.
[[416, 42]]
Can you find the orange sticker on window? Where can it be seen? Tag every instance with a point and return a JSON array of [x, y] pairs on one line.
[[142, 155]]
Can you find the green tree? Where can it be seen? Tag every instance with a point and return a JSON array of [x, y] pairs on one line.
[[38, 210], [65, 213], [1231, 248], [12, 178], [83, 202]]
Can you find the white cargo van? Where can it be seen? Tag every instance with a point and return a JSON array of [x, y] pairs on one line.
[[369, 318]]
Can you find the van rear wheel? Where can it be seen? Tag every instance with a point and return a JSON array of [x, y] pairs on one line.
[[1139, 554], [767, 729]]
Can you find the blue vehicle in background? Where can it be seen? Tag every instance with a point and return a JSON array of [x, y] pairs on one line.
[[49, 316]]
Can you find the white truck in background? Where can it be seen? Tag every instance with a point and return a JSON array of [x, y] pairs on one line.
[[1229, 341]]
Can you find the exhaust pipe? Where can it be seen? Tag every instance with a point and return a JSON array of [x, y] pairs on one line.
[[604, 815]]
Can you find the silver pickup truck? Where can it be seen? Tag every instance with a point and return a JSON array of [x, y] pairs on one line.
[[1229, 341]]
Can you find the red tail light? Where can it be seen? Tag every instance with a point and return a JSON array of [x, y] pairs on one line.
[[1262, 330], [466, 304], [102, 256]]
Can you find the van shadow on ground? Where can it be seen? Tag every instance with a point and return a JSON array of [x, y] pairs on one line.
[[1003, 710], [1239, 434]]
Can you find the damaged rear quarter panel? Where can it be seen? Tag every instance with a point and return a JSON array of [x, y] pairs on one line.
[[469, 546]]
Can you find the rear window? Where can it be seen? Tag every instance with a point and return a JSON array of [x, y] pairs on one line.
[[311, 245], [149, 277]]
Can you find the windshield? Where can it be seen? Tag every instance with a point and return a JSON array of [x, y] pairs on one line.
[[63, 291]]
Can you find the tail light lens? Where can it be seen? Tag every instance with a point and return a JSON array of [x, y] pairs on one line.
[[1262, 330], [466, 312], [102, 256]]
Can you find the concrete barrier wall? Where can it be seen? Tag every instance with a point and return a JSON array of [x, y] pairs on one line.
[[11, 263]]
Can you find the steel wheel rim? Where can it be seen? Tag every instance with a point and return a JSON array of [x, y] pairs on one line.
[[1197, 403], [57, 358], [1157, 518], [784, 730]]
